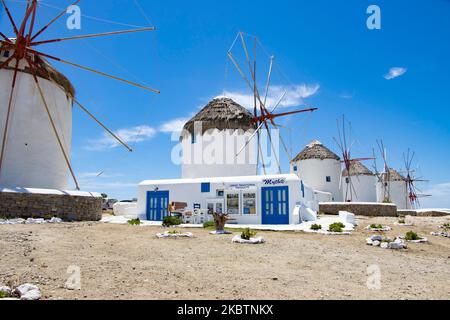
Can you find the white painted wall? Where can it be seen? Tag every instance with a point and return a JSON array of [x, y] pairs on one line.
[[314, 172], [189, 191], [398, 193], [364, 186], [33, 158], [214, 155]]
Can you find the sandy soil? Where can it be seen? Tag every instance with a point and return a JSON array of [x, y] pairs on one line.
[[125, 262]]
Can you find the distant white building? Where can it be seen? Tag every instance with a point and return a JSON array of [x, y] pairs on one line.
[[320, 169], [272, 199], [391, 187], [213, 137], [363, 183]]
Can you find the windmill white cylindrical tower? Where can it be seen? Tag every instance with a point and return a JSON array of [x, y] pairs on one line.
[[32, 156], [319, 168], [363, 184], [213, 137], [392, 188]]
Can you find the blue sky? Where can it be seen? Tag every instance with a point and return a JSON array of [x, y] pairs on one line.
[[331, 60]]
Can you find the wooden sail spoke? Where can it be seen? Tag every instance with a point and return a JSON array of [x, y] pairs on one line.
[[8, 115], [52, 21], [16, 31], [6, 62], [32, 66], [95, 35], [102, 125], [94, 71]]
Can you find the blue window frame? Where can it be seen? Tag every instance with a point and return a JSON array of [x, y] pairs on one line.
[[193, 138], [328, 178], [295, 168], [206, 187]]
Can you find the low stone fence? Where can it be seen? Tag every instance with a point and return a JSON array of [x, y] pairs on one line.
[[359, 209], [423, 213], [66, 207]]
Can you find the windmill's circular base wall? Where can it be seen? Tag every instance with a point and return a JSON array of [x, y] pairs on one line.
[[66, 207], [359, 209]]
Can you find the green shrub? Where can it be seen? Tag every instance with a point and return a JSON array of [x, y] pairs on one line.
[[336, 227], [173, 232], [402, 221], [134, 222], [171, 221], [376, 226], [3, 295], [248, 233], [316, 227], [209, 224], [411, 235], [446, 225]]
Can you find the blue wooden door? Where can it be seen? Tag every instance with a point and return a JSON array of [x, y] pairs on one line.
[[157, 205], [275, 205]]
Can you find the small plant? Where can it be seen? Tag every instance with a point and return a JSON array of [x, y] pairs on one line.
[[387, 200], [173, 232], [376, 226], [247, 234], [316, 227], [336, 227], [3, 295], [171, 221], [411, 236], [446, 226], [401, 221], [209, 224], [134, 222]]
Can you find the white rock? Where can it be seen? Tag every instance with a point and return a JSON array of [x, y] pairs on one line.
[[35, 221], [384, 245], [369, 242], [28, 292], [238, 239], [6, 291], [376, 238], [15, 221], [32, 295], [376, 243], [55, 220]]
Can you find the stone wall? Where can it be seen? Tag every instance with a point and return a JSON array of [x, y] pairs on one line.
[[66, 207], [422, 213], [359, 209]]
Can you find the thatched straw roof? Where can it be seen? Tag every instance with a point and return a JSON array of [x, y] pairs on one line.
[[47, 71], [357, 169], [316, 150], [222, 114], [394, 175]]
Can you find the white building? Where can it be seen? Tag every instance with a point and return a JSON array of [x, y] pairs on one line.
[[275, 199], [33, 158], [362, 180], [213, 137], [320, 169], [391, 187]]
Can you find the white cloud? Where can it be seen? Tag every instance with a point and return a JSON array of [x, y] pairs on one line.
[[127, 135], [395, 72], [440, 196], [174, 125], [295, 95]]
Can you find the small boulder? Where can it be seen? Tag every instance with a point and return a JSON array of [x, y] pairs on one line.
[[28, 292], [376, 238], [384, 245], [376, 243]]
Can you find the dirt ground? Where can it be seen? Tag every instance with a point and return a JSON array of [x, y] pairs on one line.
[[126, 262]]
